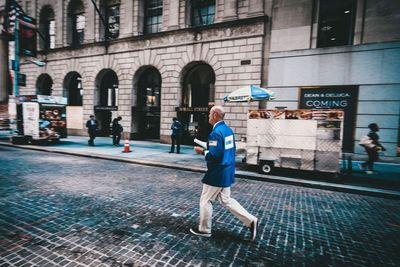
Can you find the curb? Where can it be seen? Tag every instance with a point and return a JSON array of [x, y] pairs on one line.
[[390, 194]]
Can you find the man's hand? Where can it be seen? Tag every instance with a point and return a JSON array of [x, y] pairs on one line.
[[198, 149]]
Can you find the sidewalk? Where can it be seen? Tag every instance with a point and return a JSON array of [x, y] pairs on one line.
[[385, 183]]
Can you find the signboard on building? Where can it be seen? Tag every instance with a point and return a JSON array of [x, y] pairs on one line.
[[336, 97], [109, 108], [27, 35], [192, 109]]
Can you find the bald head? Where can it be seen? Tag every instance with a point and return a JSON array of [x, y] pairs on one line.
[[217, 113]]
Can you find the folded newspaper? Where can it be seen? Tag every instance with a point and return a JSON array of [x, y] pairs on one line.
[[201, 143]]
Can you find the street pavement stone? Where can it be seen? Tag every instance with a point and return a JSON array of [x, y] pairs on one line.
[[60, 210]]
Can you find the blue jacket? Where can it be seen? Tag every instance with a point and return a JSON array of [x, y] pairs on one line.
[[176, 128], [221, 157]]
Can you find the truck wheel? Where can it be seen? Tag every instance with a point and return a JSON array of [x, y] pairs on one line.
[[266, 167]]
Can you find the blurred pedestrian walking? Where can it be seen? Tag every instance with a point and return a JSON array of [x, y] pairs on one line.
[[372, 147]]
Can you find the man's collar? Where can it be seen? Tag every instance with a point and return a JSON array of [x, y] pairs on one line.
[[218, 122]]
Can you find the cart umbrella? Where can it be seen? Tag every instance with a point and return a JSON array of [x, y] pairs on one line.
[[250, 93]]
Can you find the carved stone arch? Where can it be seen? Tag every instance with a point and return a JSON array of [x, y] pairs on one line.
[[204, 54], [151, 58]]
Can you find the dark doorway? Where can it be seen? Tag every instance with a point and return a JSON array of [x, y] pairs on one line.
[[73, 89], [148, 106], [107, 100], [44, 85], [197, 98]]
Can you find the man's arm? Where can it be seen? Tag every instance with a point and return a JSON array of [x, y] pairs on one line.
[[215, 148]]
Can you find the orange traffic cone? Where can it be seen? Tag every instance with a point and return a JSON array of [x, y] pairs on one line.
[[126, 147]]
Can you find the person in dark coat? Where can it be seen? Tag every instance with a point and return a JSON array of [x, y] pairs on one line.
[[176, 135], [372, 151], [91, 125], [117, 130], [220, 176]]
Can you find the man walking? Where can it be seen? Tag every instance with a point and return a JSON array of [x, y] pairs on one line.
[[176, 128], [220, 175], [91, 125], [116, 131]]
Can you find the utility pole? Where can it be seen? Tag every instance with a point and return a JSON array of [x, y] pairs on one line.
[[16, 57]]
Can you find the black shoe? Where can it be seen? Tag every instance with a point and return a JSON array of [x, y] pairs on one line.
[[178, 152], [253, 229], [197, 232], [171, 152]]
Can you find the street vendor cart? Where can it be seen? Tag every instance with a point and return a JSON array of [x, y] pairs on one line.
[[296, 139], [37, 118]]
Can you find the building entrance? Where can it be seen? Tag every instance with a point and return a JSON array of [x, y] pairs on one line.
[[197, 98], [107, 100], [148, 111]]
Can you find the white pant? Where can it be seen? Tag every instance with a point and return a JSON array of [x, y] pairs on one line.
[[209, 194]]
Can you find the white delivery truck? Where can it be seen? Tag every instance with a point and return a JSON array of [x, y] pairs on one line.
[[37, 118], [296, 139]]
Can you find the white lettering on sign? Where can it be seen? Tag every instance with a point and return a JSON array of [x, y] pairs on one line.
[[327, 103]]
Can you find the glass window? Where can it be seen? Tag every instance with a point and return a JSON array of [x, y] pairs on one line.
[[52, 34], [336, 22], [76, 23], [203, 12], [113, 20], [79, 29], [153, 16], [47, 28]]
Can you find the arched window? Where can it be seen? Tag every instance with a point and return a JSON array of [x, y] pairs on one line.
[[153, 16], [76, 23], [203, 12], [44, 85], [110, 10], [47, 28]]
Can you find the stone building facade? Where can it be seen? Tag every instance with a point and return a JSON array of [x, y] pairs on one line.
[[176, 58], [188, 68], [360, 75]]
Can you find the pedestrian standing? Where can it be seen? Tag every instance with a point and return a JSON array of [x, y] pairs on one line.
[[372, 149], [220, 175], [117, 130], [91, 125], [176, 135]]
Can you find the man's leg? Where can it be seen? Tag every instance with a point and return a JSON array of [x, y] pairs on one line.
[[233, 206], [114, 139], [118, 139], [172, 144], [178, 144], [208, 194]]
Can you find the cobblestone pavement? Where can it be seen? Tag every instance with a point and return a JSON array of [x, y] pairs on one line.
[[59, 210]]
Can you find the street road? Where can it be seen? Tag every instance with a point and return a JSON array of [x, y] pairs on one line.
[[60, 210]]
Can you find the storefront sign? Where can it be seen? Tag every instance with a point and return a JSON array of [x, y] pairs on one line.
[[344, 98], [109, 108], [192, 109]]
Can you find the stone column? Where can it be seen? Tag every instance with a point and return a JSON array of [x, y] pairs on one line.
[[230, 10], [256, 8], [173, 18]]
